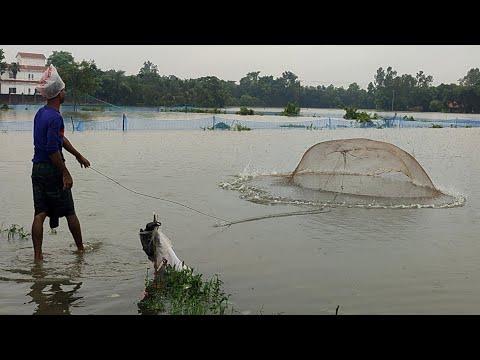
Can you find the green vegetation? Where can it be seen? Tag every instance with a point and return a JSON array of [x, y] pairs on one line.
[[183, 292], [408, 118], [351, 113], [194, 110], [435, 126], [5, 107], [3, 64], [245, 111], [435, 105], [14, 231], [388, 91], [79, 77], [292, 109], [240, 127]]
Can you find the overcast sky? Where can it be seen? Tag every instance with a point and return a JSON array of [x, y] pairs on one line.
[[339, 65]]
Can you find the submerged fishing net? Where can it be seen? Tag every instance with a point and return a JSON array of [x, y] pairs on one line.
[[363, 167], [348, 173]]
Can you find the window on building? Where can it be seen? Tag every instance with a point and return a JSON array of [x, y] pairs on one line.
[[28, 91], [10, 75], [12, 90]]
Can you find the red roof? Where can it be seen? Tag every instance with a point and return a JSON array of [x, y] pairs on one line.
[[30, 55], [453, 105]]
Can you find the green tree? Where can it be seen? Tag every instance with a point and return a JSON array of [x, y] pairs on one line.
[[60, 59], [114, 87], [247, 100], [435, 105], [80, 78], [148, 69], [471, 79], [3, 64], [292, 109], [423, 81], [14, 67]]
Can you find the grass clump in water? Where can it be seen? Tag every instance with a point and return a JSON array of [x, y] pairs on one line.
[[14, 231], [183, 292]]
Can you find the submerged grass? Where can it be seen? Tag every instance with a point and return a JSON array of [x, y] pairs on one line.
[[14, 230], [183, 292]]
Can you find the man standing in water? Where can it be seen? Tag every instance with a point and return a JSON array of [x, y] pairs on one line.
[[51, 180]]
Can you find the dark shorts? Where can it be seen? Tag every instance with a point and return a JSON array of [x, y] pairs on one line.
[[48, 193]]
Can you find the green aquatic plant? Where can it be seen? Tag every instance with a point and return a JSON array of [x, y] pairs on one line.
[[351, 113], [184, 292], [240, 127], [292, 109], [245, 111], [15, 230]]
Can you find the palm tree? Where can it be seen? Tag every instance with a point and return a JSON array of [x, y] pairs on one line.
[[14, 68], [3, 64]]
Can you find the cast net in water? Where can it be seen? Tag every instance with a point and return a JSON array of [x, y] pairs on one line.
[[349, 172], [363, 167]]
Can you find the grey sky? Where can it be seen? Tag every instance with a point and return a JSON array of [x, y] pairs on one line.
[[339, 65]]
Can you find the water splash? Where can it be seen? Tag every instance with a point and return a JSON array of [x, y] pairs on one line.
[[275, 189]]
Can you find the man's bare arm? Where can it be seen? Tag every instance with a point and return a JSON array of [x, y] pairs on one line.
[[67, 145]]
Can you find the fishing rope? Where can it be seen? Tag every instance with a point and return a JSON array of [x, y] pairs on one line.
[[228, 223], [296, 213], [155, 197]]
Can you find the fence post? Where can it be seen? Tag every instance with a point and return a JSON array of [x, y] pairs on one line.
[[213, 127], [123, 123], [73, 126]]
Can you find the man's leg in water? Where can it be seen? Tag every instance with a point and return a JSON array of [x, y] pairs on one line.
[[37, 235], [74, 227]]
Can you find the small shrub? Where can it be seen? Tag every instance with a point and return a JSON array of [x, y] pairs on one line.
[[245, 111], [292, 109], [240, 127], [183, 292]]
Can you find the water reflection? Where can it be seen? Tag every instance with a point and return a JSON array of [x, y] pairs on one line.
[[54, 296]]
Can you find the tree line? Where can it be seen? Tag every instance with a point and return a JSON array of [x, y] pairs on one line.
[[387, 92]]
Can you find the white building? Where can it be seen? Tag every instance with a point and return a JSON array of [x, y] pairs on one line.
[[31, 67]]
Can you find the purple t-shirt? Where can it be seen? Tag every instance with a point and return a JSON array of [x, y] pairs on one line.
[[48, 130]]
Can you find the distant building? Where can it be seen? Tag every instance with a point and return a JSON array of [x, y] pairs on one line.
[[31, 66], [453, 105]]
